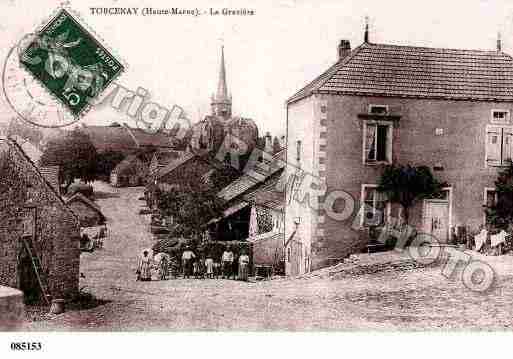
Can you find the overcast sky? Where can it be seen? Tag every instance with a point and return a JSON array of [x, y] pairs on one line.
[[269, 56]]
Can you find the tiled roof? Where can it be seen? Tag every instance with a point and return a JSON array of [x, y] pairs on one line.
[[123, 138], [247, 181], [165, 157], [51, 174], [85, 200], [171, 166], [418, 72], [31, 150]]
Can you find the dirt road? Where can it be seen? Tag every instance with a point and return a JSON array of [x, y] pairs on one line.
[[414, 299]]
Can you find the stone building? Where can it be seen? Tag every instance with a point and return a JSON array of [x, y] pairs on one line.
[[132, 171], [381, 104], [219, 131], [39, 234]]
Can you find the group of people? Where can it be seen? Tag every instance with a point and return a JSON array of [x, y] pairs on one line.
[[192, 266], [210, 268]]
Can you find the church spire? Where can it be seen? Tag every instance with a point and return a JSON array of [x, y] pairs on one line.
[[221, 101]]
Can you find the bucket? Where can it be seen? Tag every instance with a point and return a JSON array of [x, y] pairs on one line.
[[57, 306]]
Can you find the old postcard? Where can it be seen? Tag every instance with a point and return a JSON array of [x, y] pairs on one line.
[[255, 167]]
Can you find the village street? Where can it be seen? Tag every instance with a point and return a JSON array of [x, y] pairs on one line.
[[397, 299]]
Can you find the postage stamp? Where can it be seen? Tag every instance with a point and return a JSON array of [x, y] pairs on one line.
[[70, 62]]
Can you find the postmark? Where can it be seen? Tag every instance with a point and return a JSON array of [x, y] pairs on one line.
[[70, 63]]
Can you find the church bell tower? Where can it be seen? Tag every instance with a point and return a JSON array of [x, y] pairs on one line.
[[222, 102]]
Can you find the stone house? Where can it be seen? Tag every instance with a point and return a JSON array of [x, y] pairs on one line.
[[39, 234], [88, 212], [132, 171], [381, 104]]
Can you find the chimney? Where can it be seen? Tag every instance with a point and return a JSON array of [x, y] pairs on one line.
[[499, 45], [366, 33], [344, 48], [268, 143]]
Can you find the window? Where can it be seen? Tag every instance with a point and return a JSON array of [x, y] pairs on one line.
[[377, 142], [375, 205], [490, 197], [499, 145], [500, 116], [490, 200], [298, 150], [378, 109]]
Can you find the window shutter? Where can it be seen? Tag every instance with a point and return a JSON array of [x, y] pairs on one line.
[[370, 142], [493, 146], [507, 145]]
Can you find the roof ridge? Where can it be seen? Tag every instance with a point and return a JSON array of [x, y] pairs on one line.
[[438, 48], [341, 63], [20, 151], [332, 70]]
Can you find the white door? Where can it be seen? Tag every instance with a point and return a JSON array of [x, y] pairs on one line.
[[436, 220]]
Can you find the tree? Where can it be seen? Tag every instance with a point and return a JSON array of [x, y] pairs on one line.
[[190, 208], [107, 161], [406, 184], [500, 213], [76, 156]]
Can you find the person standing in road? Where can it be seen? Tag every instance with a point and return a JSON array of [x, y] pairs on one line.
[[209, 265], [187, 259], [227, 262], [144, 268], [243, 266]]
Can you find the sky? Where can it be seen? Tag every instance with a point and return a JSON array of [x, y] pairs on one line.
[[269, 56]]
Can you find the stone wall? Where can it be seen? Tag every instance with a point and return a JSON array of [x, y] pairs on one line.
[[459, 149], [56, 232]]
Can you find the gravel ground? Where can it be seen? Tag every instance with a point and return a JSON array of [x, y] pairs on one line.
[[407, 298]]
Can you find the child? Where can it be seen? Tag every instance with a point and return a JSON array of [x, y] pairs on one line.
[[195, 269], [217, 269], [209, 264]]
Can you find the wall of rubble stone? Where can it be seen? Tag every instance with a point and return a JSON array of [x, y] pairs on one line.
[[24, 190]]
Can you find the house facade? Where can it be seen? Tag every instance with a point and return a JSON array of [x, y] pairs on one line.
[[39, 234], [385, 104], [130, 172]]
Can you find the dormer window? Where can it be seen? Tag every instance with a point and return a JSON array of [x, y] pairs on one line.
[[378, 109]]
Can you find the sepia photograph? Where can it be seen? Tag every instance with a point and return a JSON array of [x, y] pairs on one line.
[[239, 168]]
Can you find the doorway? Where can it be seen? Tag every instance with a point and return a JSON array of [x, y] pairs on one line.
[[436, 219]]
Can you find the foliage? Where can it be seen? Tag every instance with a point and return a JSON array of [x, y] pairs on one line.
[[500, 214], [75, 154], [190, 206], [407, 184], [107, 161]]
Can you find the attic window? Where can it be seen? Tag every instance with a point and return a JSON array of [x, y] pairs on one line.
[[378, 109], [500, 116]]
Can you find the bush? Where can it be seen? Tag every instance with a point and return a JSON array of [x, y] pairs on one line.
[[82, 188]]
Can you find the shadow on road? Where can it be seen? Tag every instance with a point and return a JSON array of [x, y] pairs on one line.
[[105, 195]]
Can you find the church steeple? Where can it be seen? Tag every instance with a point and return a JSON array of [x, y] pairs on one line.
[[221, 101]]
